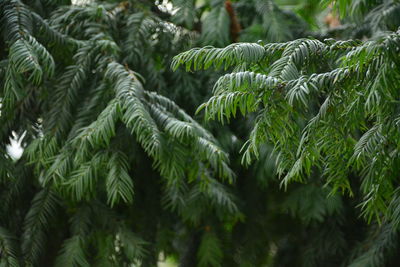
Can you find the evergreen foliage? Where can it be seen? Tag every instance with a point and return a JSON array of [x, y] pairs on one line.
[[329, 109], [326, 106], [90, 123], [117, 168]]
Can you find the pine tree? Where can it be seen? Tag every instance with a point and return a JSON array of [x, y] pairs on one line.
[[118, 170], [328, 108], [110, 166]]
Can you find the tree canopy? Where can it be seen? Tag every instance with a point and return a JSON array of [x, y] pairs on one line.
[[118, 168]]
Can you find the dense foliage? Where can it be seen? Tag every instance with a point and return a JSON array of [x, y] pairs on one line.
[[335, 122], [90, 128], [329, 108], [117, 170]]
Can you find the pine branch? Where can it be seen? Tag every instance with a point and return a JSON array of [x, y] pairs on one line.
[[43, 209]]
